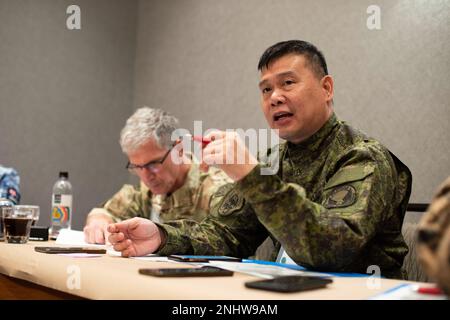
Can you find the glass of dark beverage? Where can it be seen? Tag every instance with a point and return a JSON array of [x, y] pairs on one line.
[[17, 224]]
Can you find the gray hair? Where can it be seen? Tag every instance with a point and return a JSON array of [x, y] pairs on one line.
[[145, 124]]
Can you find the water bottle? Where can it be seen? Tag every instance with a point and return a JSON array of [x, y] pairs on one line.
[[61, 217]]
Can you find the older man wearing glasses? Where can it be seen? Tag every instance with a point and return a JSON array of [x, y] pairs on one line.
[[168, 190]]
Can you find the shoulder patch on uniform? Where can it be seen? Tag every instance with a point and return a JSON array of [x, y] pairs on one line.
[[232, 202], [341, 196]]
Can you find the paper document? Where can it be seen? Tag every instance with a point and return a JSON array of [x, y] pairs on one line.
[[75, 238]]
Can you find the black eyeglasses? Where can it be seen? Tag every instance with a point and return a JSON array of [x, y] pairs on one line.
[[154, 165]]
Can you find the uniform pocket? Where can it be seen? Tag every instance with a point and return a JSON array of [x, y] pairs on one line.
[[345, 188]]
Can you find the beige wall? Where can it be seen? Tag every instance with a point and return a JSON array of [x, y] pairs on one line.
[[65, 95], [197, 58]]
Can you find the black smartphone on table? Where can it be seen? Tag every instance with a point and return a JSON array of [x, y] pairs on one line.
[[55, 250], [193, 258], [290, 283], [186, 272]]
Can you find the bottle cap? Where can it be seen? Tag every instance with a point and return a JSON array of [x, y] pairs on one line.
[[64, 174]]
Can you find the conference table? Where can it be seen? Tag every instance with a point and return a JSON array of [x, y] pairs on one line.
[[27, 274]]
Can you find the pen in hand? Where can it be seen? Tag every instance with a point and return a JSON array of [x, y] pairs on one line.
[[203, 140]]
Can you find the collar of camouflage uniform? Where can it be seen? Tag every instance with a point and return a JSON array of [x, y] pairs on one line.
[[315, 141]]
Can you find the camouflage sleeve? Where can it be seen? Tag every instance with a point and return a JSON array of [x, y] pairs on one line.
[[328, 234], [129, 202]]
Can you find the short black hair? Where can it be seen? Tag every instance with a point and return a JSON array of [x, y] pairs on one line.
[[314, 58]]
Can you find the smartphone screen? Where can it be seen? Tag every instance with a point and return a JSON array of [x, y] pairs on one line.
[[54, 250], [193, 258], [186, 272], [289, 283]]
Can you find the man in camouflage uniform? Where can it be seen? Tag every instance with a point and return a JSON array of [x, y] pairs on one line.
[[167, 190], [434, 238], [336, 204]]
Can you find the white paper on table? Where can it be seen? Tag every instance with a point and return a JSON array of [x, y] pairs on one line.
[[113, 253], [150, 257], [153, 258], [74, 238]]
